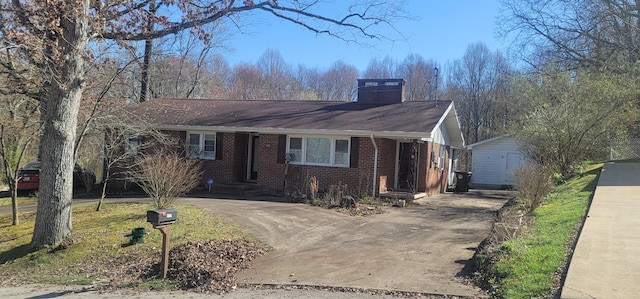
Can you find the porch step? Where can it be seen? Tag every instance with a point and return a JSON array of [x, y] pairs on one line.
[[238, 188]]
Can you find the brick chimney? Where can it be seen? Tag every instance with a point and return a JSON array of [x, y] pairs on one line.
[[380, 91]]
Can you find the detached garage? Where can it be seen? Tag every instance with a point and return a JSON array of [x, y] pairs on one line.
[[494, 161]]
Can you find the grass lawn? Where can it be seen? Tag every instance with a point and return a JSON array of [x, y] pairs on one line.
[[98, 238], [528, 264]]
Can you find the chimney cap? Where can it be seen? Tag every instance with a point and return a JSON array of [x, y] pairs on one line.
[[380, 82]]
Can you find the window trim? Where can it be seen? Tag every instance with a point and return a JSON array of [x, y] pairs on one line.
[[441, 158], [332, 154], [201, 145]]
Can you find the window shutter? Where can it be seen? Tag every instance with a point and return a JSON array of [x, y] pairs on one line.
[[354, 155], [183, 142], [219, 139], [282, 148]]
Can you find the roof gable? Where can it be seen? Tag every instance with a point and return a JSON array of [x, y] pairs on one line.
[[451, 125]]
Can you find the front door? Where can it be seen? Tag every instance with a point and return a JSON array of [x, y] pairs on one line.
[[253, 157], [406, 177]]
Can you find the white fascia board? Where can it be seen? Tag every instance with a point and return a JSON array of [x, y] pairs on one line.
[[453, 121], [471, 146], [351, 133]]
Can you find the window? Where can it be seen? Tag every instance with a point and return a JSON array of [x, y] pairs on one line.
[[132, 145], [295, 150], [201, 145], [342, 152], [318, 151], [209, 151], [194, 145]]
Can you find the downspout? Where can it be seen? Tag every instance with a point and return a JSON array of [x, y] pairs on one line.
[[375, 165]]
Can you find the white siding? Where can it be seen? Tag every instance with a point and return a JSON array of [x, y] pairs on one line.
[[489, 161], [440, 135]]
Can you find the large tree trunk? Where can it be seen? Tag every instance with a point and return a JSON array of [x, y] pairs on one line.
[[60, 110]]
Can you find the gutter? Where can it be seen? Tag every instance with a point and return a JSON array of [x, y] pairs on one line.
[[375, 165], [424, 136]]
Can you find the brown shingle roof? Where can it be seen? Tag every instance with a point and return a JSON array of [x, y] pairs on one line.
[[412, 118]]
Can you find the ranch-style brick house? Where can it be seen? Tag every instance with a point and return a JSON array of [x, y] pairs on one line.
[[375, 144]]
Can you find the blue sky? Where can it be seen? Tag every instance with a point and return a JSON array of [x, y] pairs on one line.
[[441, 30]]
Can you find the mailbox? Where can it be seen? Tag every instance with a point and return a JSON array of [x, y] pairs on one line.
[[162, 217]]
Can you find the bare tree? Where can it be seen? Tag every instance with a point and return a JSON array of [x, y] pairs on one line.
[[306, 82], [338, 83], [219, 72], [276, 76], [54, 37], [420, 76], [19, 130], [246, 83], [124, 140], [583, 33], [377, 68], [183, 66], [19, 118], [474, 82]]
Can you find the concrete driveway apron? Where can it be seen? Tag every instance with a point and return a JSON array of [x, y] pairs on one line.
[[420, 248]]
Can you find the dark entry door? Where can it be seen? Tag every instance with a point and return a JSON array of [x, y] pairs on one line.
[[253, 170], [406, 176]]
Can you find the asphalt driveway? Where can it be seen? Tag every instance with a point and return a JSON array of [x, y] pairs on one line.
[[420, 248]]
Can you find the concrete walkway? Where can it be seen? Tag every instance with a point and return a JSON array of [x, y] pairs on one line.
[[606, 261]]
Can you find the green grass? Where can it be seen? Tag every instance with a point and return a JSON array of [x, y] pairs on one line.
[[527, 266], [99, 236]]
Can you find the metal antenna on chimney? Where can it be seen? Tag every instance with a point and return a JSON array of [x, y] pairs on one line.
[[436, 91]]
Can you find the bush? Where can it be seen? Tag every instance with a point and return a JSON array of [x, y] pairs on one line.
[[314, 187], [166, 175], [533, 183], [334, 195]]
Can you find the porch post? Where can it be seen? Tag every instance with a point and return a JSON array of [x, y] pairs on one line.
[[375, 165]]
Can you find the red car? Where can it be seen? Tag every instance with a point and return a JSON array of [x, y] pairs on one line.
[[29, 176]]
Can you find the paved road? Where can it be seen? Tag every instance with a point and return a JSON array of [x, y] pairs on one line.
[[421, 248], [606, 261]]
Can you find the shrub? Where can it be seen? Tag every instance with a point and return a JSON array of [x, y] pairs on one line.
[[313, 187], [533, 183], [334, 195], [166, 175]]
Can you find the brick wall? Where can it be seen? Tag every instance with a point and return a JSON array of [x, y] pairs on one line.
[[436, 180], [271, 174], [358, 179], [221, 170], [387, 157]]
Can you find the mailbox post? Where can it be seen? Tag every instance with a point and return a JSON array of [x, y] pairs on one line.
[[162, 219]]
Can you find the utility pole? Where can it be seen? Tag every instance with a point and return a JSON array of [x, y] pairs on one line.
[[436, 89]]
